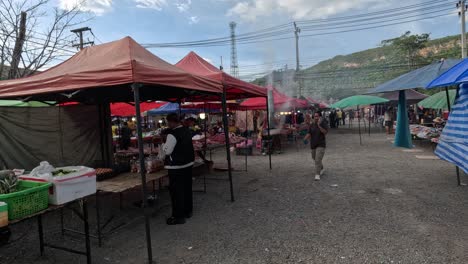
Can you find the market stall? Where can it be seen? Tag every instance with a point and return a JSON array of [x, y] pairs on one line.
[[418, 78], [453, 144], [119, 71], [233, 87], [356, 101]]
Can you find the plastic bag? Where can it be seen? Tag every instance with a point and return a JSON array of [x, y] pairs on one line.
[[44, 171]]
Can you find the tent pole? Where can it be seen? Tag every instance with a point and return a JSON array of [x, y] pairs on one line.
[[369, 120], [359, 125], [448, 99], [228, 144], [268, 129], [141, 154], [449, 109], [246, 137]]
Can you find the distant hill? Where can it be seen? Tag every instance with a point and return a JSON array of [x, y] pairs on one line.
[[356, 73]]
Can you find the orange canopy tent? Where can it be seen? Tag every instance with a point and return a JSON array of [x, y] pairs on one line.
[[235, 88], [280, 100], [111, 68]]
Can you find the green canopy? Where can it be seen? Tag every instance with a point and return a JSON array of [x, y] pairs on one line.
[[358, 100], [10, 103], [438, 100]]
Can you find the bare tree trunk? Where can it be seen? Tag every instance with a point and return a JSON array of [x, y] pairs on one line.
[[14, 71]]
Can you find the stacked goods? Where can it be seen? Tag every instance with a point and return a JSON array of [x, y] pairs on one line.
[[104, 173], [152, 165], [425, 132], [69, 183]]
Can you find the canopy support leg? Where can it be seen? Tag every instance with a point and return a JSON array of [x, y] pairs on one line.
[[268, 129], [359, 125], [141, 154], [228, 144]]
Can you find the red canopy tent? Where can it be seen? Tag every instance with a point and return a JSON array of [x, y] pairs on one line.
[[280, 100], [109, 67], [125, 109], [316, 102], [235, 88]]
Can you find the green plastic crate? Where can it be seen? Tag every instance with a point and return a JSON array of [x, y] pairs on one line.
[[31, 197]]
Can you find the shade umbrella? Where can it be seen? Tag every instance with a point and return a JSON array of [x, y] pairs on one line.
[[412, 96], [439, 100], [358, 100], [418, 78]]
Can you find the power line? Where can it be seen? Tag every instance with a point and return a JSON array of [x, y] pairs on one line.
[[273, 33]]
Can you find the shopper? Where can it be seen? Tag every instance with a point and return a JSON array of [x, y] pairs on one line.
[[125, 136], [339, 116], [179, 162], [317, 131], [388, 120], [343, 117]]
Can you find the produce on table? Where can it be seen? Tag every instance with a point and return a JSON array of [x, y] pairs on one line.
[[8, 182], [62, 172]]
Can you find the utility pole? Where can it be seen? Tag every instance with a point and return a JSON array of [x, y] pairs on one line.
[[79, 32], [297, 30], [18, 49], [461, 5], [234, 65]]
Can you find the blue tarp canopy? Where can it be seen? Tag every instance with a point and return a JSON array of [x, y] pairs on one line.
[[458, 74], [419, 78], [171, 108], [453, 143]]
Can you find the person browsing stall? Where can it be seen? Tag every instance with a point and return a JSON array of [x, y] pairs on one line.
[[180, 157], [316, 134]]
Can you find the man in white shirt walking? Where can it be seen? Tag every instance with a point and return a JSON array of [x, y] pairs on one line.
[[180, 157]]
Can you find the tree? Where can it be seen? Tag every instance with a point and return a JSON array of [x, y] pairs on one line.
[[409, 45], [47, 38]]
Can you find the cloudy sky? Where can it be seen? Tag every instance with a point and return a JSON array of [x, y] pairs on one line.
[[162, 21]]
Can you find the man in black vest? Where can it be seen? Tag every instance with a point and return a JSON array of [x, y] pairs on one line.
[[179, 162]]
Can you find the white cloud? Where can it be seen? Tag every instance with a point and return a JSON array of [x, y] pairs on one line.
[[97, 7], [250, 10], [152, 4], [209, 60], [183, 6], [193, 20]]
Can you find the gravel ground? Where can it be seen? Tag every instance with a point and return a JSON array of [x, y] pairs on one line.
[[375, 204]]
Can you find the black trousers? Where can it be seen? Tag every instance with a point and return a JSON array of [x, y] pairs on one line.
[[180, 188]]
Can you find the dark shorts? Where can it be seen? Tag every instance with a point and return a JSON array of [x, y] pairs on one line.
[[388, 123]]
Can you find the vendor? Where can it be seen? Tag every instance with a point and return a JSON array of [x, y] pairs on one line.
[[232, 127], [180, 157], [125, 136], [190, 123]]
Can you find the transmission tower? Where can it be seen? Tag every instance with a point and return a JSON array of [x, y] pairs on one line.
[[234, 66]]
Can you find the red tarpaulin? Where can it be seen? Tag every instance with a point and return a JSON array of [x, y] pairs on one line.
[[212, 105], [125, 109], [316, 102], [280, 100], [112, 65], [235, 88]]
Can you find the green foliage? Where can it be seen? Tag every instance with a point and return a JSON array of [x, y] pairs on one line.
[[357, 73]]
